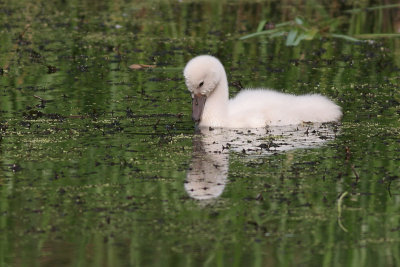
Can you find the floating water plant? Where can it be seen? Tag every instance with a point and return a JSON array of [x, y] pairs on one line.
[[298, 30]]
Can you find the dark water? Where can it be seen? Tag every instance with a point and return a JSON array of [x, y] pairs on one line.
[[100, 164]]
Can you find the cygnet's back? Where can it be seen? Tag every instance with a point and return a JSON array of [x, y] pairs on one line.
[[266, 107]]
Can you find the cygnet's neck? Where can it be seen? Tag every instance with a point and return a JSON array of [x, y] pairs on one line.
[[215, 111]]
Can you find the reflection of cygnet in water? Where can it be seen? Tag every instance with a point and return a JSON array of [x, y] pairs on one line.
[[208, 171], [273, 139]]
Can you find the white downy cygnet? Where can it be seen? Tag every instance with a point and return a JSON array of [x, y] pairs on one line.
[[206, 80]]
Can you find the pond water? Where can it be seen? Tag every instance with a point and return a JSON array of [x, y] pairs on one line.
[[100, 164]]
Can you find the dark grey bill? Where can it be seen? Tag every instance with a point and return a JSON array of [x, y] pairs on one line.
[[198, 103]]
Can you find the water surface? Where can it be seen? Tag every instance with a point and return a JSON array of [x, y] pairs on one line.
[[100, 163]]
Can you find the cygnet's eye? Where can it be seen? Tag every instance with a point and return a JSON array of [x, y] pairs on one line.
[[201, 84]]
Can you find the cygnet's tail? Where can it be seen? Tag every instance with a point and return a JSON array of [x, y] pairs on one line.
[[317, 108]]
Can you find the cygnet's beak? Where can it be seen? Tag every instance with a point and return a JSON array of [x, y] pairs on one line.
[[198, 103]]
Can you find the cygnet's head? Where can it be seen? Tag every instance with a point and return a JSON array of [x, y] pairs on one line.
[[202, 76]]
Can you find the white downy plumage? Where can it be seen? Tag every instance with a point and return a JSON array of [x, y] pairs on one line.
[[252, 108]]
